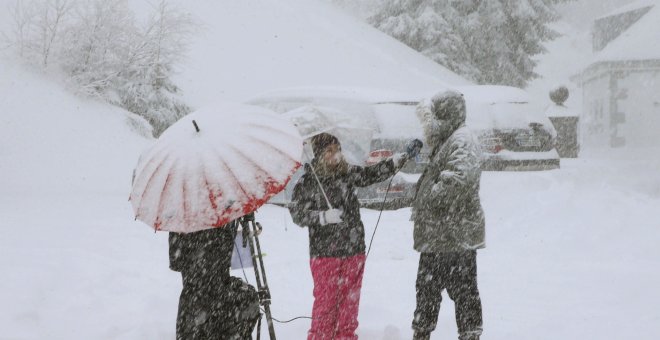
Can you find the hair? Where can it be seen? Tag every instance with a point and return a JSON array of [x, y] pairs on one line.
[[322, 141]]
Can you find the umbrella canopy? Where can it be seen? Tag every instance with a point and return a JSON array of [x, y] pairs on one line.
[[213, 166], [355, 139]]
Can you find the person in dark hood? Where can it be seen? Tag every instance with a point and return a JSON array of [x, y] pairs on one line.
[[324, 200], [449, 224], [213, 305]]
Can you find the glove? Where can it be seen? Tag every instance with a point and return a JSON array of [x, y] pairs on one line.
[[413, 147], [400, 159], [331, 216]]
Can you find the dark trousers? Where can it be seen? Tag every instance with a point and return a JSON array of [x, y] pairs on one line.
[[456, 272], [216, 309]]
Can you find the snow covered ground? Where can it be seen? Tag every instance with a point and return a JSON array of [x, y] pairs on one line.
[[572, 253]]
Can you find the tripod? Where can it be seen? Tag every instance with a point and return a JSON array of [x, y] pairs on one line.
[[251, 230]]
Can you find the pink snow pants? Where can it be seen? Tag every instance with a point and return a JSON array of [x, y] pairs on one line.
[[337, 284]]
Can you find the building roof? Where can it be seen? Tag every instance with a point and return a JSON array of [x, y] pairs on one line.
[[639, 42], [637, 48], [629, 7]]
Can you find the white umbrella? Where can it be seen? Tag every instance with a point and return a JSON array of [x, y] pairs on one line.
[[312, 120]]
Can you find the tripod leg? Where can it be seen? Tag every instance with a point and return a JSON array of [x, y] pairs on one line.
[[259, 329], [259, 271]]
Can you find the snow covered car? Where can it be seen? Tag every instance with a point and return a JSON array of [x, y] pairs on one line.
[[513, 135]]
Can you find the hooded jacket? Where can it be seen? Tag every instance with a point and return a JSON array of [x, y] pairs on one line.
[[447, 211], [342, 239]]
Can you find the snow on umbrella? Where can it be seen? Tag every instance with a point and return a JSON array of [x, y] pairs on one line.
[[213, 166], [313, 120]]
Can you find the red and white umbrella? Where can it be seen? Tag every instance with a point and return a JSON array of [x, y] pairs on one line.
[[213, 166]]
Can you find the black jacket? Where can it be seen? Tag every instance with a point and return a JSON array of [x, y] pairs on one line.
[[213, 305], [342, 239], [203, 252], [447, 209]]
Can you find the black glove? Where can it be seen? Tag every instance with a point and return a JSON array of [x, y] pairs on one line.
[[413, 147]]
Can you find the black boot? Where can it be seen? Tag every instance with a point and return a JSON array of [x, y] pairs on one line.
[[470, 335]]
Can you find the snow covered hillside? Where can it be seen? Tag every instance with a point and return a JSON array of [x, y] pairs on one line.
[[247, 47], [54, 142], [65, 172]]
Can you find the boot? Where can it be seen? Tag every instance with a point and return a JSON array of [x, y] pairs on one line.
[[470, 335], [422, 335]]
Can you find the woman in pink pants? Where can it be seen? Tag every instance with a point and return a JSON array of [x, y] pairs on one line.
[[336, 233]]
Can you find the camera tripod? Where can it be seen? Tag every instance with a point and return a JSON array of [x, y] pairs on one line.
[[251, 231]]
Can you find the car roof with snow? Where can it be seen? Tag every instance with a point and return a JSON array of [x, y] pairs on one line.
[[392, 113], [488, 106], [322, 93]]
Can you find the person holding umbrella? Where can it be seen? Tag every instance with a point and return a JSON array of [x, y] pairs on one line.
[[205, 175], [324, 200]]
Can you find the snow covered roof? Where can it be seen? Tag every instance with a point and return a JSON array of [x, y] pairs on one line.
[[629, 7], [477, 93], [636, 48], [639, 42]]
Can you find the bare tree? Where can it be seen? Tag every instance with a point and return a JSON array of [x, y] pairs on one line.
[[22, 15], [51, 15], [96, 44], [106, 54], [161, 44]]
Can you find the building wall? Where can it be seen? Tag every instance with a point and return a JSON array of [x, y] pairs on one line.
[[620, 109], [594, 123], [641, 108]]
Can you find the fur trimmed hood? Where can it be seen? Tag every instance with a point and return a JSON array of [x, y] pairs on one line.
[[441, 115]]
